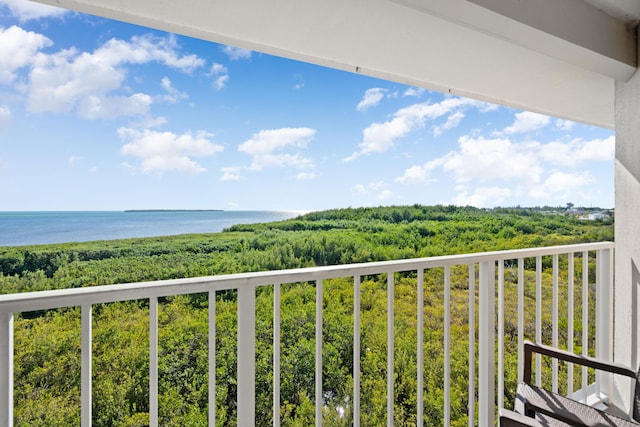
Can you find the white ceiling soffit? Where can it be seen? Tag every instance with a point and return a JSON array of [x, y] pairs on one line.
[[491, 50]]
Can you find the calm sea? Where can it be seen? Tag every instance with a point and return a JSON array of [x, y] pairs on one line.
[[29, 228]]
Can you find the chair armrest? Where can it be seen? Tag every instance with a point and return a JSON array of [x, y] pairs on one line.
[[591, 362], [513, 419]]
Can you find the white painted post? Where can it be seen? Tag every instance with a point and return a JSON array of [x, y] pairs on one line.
[[604, 316], [486, 336], [246, 356], [6, 369], [520, 319], [570, 315], [86, 362], [153, 362], [390, 349], [472, 343], [420, 349], [212, 358], [356, 351], [447, 345], [318, 353], [538, 319], [276, 355], [554, 324], [501, 334]]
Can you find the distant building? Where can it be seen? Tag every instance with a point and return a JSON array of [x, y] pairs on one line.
[[598, 215]]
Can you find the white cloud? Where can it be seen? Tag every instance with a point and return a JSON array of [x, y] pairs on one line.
[[5, 118], [380, 137], [166, 151], [482, 197], [565, 125], [299, 81], [27, 10], [481, 160], [527, 121], [303, 176], [231, 173], [419, 174], [414, 91], [266, 148], [173, 95], [220, 82], [385, 195], [110, 107], [377, 188], [488, 171], [219, 72], [371, 98], [236, 53], [453, 121], [84, 82], [561, 185], [17, 50], [572, 153], [217, 69], [73, 161]]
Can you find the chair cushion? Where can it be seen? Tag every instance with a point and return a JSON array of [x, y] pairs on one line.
[[540, 401]]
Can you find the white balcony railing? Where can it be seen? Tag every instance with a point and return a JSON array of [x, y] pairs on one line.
[[483, 292]]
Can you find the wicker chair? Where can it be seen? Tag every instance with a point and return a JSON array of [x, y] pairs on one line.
[[546, 408]]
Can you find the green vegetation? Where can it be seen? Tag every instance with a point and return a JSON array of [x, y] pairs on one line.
[[47, 344]]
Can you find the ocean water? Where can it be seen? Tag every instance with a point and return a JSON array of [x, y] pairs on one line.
[[30, 228]]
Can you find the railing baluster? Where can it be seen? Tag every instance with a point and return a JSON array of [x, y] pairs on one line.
[[472, 349], [153, 362], [356, 351], [570, 267], [447, 344], [212, 358], [486, 339], [585, 320], [246, 356], [318, 353], [604, 318], [276, 355], [6, 369], [420, 348], [390, 349], [538, 318], [520, 319], [501, 334], [554, 326], [85, 375]]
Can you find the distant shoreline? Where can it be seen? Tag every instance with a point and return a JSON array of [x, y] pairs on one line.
[[174, 210]]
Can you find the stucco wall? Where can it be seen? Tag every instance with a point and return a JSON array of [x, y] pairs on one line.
[[627, 228]]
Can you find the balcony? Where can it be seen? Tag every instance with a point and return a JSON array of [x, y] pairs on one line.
[[493, 300]]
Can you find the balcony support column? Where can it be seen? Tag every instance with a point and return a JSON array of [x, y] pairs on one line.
[[6, 369], [486, 346], [627, 234]]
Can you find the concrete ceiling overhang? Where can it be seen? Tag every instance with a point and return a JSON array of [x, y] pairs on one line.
[[557, 57]]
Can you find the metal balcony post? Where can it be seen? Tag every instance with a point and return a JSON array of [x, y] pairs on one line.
[[486, 335], [6, 369], [246, 356]]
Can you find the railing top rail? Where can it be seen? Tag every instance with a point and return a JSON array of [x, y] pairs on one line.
[[44, 300]]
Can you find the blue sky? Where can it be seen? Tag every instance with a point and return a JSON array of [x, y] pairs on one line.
[[101, 115]]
